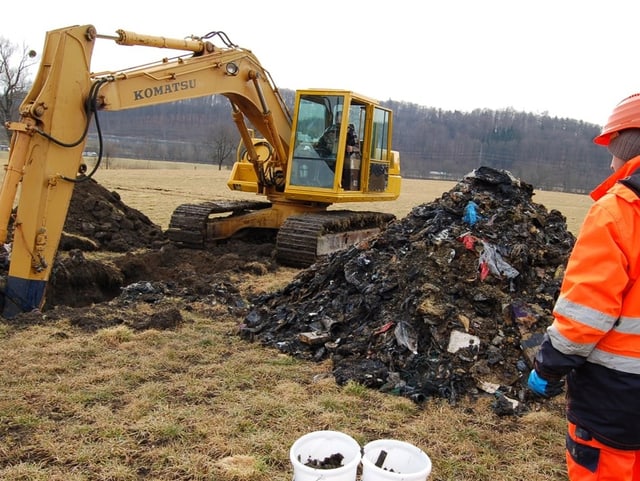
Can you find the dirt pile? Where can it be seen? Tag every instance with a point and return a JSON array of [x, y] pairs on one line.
[[115, 266], [449, 301], [97, 219]]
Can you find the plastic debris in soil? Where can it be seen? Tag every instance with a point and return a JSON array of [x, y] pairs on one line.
[[450, 301]]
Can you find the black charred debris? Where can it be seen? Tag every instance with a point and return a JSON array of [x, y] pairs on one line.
[[450, 301]]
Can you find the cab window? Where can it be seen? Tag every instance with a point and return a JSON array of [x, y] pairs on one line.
[[379, 153], [316, 140]]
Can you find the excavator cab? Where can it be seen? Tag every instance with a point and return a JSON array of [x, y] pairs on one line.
[[340, 145]]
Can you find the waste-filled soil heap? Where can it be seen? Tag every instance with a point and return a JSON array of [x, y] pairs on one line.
[[448, 301]]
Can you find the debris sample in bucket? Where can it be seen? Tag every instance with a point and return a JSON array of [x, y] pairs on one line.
[[393, 460], [330, 462], [325, 456]]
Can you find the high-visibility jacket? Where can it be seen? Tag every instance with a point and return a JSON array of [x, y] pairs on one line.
[[595, 335]]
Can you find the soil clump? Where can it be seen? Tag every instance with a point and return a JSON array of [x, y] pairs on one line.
[[98, 220]]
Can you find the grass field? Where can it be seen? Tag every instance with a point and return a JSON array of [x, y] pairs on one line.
[[199, 403], [139, 187], [142, 182]]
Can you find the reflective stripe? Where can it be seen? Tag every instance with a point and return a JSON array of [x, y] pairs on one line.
[[565, 346], [615, 362], [628, 325], [584, 315]]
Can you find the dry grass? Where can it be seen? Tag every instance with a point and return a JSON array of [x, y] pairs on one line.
[[157, 191], [202, 404]]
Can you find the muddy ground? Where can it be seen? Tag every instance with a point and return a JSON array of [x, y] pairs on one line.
[[449, 301], [115, 266]]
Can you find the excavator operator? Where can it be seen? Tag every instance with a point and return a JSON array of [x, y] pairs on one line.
[[326, 145]]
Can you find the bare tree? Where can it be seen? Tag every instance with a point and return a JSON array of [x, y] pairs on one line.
[[14, 67], [106, 160], [223, 143]]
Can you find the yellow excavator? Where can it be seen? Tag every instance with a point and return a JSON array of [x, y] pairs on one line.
[[335, 148]]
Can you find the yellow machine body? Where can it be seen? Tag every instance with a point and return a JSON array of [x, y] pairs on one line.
[[290, 163]]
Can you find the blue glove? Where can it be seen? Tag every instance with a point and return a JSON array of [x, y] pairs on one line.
[[542, 387]]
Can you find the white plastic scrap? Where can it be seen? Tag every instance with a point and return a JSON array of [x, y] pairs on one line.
[[406, 336], [459, 340], [488, 387]]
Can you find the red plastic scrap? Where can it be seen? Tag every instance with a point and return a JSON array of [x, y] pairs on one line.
[[385, 328], [468, 241], [484, 270]]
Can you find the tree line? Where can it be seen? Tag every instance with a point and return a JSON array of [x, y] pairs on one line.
[[548, 152]]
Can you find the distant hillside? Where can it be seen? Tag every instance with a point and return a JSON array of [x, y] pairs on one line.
[[548, 152]]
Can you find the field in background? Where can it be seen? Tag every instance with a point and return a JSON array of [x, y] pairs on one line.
[[178, 184], [140, 181]]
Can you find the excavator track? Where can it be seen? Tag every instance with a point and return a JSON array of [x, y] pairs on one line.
[[188, 224], [302, 239]]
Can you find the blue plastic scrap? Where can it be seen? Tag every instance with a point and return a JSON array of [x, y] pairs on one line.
[[471, 215]]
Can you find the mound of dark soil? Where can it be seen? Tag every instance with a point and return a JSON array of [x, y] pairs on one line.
[[97, 219], [113, 257], [449, 301]]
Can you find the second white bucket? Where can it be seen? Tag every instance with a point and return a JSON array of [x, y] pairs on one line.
[[392, 460], [320, 445]]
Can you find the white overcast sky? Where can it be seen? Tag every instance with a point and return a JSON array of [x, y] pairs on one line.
[[569, 58]]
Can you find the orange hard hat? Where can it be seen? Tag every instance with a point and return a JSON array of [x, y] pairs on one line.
[[625, 115]]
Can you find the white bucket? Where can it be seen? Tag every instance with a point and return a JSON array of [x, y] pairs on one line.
[[402, 462], [319, 445]]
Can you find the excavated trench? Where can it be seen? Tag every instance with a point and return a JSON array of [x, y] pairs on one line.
[[115, 266]]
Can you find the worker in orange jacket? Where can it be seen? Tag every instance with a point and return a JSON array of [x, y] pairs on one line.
[[594, 339]]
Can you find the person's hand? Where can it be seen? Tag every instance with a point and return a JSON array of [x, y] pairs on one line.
[[542, 387]]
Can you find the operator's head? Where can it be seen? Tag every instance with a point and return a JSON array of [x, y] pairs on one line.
[[621, 133]]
